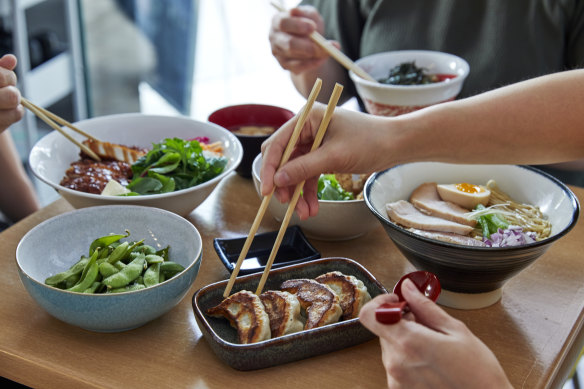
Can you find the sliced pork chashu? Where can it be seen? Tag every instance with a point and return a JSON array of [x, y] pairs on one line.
[[247, 314], [320, 302], [449, 237], [405, 214], [427, 199], [352, 292], [283, 309]]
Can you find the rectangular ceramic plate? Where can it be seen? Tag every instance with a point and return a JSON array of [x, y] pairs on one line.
[[295, 248], [223, 338]]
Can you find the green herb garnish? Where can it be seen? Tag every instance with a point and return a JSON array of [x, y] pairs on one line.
[[330, 189]]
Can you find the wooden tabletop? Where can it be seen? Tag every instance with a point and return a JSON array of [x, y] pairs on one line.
[[535, 330]]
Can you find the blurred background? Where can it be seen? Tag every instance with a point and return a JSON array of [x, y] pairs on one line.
[[87, 58]]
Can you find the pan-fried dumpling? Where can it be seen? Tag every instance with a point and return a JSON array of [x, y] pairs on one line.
[[247, 314], [283, 309], [320, 302], [352, 292]]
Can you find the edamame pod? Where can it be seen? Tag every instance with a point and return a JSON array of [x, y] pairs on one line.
[[152, 275], [77, 268], [106, 269], [127, 274], [153, 258], [88, 276], [170, 269], [127, 288]]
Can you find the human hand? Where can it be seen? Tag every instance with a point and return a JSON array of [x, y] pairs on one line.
[[431, 349], [290, 39], [353, 143], [10, 109]]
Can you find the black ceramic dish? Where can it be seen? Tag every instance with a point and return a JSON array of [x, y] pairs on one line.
[[223, 338], [295, 248]]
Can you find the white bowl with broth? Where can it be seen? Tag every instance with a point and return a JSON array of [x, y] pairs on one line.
[[52, 155], [472, 277]]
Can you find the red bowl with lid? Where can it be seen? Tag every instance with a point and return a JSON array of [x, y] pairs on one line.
[[252, 124]]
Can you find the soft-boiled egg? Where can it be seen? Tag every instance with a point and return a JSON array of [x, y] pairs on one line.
[[466, 195]]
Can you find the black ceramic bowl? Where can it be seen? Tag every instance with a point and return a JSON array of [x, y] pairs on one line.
[[472, 277], [234, 117]]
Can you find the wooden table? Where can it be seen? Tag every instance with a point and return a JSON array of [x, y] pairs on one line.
[[535, 330]]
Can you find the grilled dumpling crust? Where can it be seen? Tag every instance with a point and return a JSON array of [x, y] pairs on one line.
[[352, 292], [283, 309], [247, 314], [321, 303]]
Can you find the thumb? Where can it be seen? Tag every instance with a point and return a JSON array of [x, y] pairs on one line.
[[8, 61], [425, 310]]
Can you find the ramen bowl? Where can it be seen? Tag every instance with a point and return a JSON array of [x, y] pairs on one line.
[[252, 124], [393, 100], [336, 220], [472, 277], [56, 244], [52, 155]]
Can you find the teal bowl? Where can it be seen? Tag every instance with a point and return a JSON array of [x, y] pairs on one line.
[[56, 244]]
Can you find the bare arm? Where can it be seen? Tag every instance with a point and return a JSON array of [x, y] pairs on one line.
[[538, 121], [17, 198]]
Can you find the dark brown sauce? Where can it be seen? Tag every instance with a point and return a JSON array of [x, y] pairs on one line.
[[87, 175]]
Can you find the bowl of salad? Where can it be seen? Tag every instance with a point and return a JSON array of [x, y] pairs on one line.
[[166, 162], [409, 80], [342, 211]]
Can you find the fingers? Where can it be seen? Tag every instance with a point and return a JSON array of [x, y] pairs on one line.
[[8, 61], [425, 310]]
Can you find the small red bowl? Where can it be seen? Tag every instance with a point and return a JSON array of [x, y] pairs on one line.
[[235, 116]]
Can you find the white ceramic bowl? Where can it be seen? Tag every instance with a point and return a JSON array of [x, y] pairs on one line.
[[472, 277], [51, 156], [56, 244], [392, 100], [336, 220]]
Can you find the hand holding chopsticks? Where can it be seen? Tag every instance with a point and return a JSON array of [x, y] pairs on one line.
[[53, 120], [287, 152], [333, 51]]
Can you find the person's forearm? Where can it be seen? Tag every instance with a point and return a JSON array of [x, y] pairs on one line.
[[535, 122], [330, 73], [17, 197]]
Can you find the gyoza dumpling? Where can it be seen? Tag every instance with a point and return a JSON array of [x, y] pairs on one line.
[[320, 302], [352, 292], [283, 309], [245, 311]]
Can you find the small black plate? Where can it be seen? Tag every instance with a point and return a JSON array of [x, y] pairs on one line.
[[295, 248]]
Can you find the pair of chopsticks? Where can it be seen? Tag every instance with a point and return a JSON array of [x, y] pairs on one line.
[[336, 94], [51, 119], [333, 51]]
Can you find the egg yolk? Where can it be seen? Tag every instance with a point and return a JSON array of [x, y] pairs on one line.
[[469, 188]]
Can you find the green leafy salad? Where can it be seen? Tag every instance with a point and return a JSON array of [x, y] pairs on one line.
[[330, 189], [174, 164]]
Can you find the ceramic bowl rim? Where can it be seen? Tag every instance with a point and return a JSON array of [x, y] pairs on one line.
[[437, 85], [567, 192], [198, 256]]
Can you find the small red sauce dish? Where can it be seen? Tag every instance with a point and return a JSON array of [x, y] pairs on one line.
[[252, 124]]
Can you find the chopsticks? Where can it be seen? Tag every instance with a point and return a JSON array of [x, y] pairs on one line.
[[333, 51], [266, 200], [50, 118], [336, 94]]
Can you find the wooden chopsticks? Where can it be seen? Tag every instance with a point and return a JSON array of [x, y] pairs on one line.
[[51, 119], [333, 51], [287, 152], [266, 200]]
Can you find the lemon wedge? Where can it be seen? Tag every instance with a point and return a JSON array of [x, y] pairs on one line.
[[114, 188]]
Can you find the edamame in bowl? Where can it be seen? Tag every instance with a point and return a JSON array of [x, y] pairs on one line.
[[110, 268]]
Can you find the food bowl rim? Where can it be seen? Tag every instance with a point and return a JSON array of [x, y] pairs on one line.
[[355, 201], [572, 198], [435, 85], [198, 258], [144, 198]]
